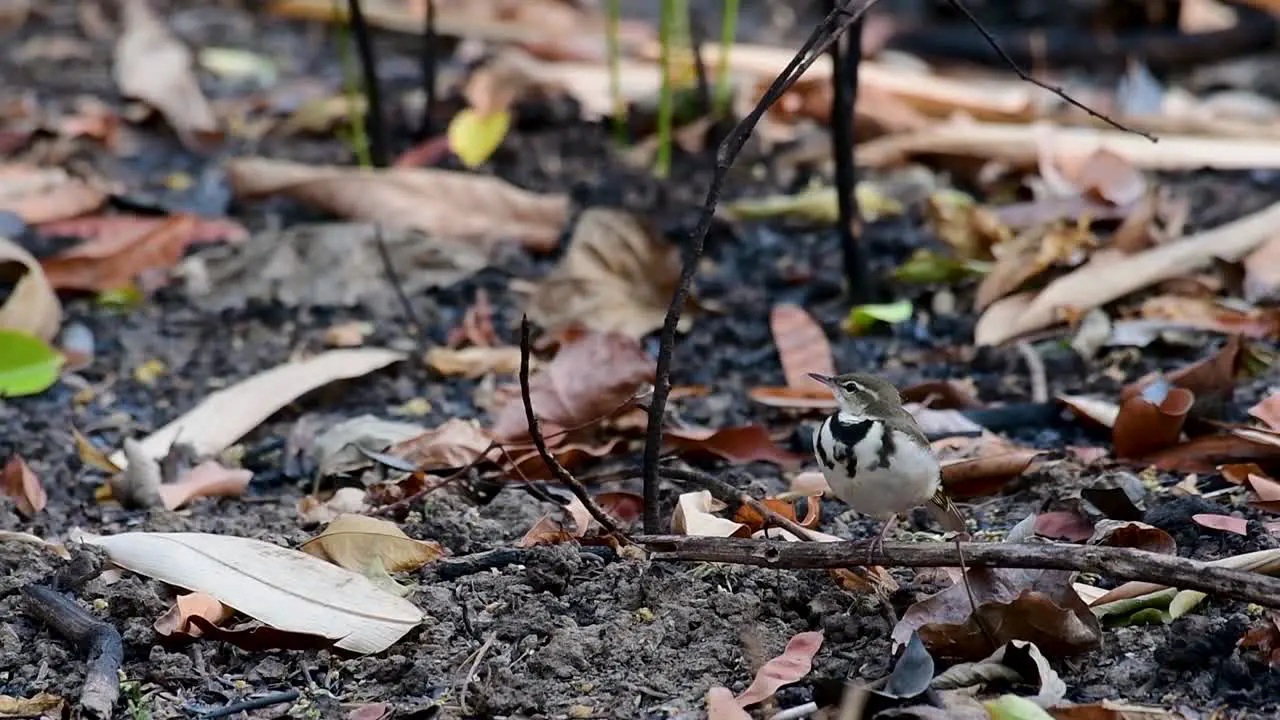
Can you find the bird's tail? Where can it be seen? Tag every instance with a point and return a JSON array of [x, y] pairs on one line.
[[946, 512]]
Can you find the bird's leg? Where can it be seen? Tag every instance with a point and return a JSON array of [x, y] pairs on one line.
[[877, 544]]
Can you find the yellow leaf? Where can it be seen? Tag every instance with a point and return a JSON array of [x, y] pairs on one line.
[[358, 543], [473, 137]]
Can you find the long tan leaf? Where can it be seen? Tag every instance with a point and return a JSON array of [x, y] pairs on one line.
[[284, 588]]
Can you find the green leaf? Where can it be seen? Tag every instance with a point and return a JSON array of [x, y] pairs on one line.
[[120, 299], [1119, 610], [27, 364], [1015, 707], [1184, 602], [863, 317], [926, 266], [473, 137]]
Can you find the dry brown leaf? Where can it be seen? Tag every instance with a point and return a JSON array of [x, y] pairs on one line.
[[20, 483], [208, 479], [1032, 253], [313, 510], [694, 516], [1038, 606], [1205, 313], [1151, 420], [108, 230], [177, 619], [624, 507], [741, 444], [40, 195], [257, 637], [1105, 175], [791, 666], [154, 66], [358, 542], [1264, 492], [1064, 525], [970, 229], [985, 474], [592, 376], [942, 395], [802, 347], [476, 327], [1225, 523], [474, 362], [1097, 283], [450, 205], [617, 275], [455, 443], [31, 305], [1203, 454], [1133, 534], [528, 464], [1266, 562], [1112, 710], [1267, 411], [113, 262]]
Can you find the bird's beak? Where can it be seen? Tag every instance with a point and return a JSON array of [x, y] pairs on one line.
[[824, 379]]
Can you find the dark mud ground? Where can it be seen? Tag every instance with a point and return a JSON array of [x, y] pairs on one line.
[[570, 634]]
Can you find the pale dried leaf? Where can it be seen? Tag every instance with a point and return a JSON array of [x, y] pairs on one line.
[[208, 479], [226, 415], [789, 667], [693, 516], [357, 542], [40, 195], [474, 362], [31, 306], [287, 589], [451, 205], [154, 66]]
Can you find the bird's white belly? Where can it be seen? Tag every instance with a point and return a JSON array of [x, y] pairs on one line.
[[910, 480]]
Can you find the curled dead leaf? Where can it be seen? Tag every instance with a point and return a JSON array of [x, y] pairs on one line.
[[617, 275], [694, 516], [1133, 534], [1151, 420], [31, 305], [356, 542], [983, 475], [20, 483], [177, 620]]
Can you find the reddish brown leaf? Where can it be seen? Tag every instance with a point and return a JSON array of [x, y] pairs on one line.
[[1133, 534], [1105, 175], [1205, 453], [177, 620], [589, 379], [984, 475], [1265, 638], [802, 347], [454, 444], [43, 194], [529, 465], [371, 711], [1206, 313], [1238, 473], [1265, 492], [476, 327], [546, 531], [789, 667], [104, 235], [1212, 380], [256, 637], [550, 529], [754, 520], [20, 483], [1151, 420], [793, 398], [208, 479], [1038, 606], [114, 262], [1268, 411], [1065, 525], [741, 444], [1225, 523]]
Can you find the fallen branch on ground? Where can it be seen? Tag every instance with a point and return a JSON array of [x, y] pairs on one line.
[[102, 668], [1118, 563]]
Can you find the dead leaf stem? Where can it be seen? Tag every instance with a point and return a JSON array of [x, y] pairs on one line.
[[535, 432], [1035, 368], [1119, 563]]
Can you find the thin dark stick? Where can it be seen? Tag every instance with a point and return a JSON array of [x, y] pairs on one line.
[[102, 669], [262, 701], [697, 37], [429, 69], [375, 122], [393, 279], [845, 58], [1056, 90], [817, 43], [454, 568], [535, 431], [1119, 563]]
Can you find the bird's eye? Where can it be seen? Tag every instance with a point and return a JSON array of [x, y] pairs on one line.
[[850, 387]]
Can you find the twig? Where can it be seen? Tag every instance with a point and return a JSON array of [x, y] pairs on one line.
[[429, 64], [698, 36], [102, 669], [454, 568], [535, 431], [959, 6], [393, 279], [375, 123], [1035, 368], [471, 673], [257, 703], [1119, 563], [845, 58], [817, 43]]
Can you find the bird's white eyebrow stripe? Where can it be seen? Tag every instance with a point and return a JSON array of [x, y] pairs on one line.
[[857, 385]]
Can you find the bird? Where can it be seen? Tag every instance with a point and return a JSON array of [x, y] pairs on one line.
[[875, 456]]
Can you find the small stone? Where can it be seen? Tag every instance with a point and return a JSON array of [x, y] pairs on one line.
[[579, 711], [644, 614]]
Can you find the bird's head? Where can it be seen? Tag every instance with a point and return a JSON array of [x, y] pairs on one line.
[[862, 394]]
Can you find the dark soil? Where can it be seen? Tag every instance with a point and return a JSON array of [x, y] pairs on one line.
[[565, 633]]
